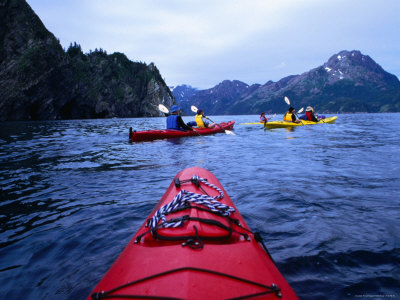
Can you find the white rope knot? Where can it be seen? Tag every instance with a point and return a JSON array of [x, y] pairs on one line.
[[184, 198]]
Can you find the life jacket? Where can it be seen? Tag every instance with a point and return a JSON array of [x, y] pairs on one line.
[[288, 117], [199, 121], [172, 122], [310, 116], [263, 119]]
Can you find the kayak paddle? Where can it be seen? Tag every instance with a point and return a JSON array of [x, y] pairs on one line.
[[163, 109], [287, 100], [195, 109]]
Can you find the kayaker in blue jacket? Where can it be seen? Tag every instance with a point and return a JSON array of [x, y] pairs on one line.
[[174, 121]]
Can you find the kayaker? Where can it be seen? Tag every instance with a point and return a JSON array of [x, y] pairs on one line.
[[263, 118], [310, 114], [174, 121], [200, 120], [290, 116]]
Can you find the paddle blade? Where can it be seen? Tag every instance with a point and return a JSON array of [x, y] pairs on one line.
[[194, 109], [229, 132], [300, 110], [287, 100], [163, 109]]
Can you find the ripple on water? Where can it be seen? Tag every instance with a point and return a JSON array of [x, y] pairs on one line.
[[324, 198]]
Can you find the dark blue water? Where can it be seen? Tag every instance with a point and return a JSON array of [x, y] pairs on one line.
[[325, 198]]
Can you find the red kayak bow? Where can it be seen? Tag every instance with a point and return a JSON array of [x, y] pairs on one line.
[[194, 245]]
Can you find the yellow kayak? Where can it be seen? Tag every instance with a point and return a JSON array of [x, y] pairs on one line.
[[253, 123], [284, 124]]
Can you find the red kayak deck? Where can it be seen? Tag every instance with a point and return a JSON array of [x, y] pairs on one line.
[[149, 135], [194, 245]]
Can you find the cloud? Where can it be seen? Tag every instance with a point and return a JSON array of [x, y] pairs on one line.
[[282, 65], [201, 27]]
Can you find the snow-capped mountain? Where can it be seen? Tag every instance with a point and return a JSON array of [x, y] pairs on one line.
[[348, 82]]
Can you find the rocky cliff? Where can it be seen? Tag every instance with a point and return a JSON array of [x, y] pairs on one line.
[[41, 81], [348, 82]]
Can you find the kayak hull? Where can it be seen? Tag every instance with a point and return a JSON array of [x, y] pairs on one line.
[[150, 135], [284, 124], [252, 123], [226, 266]]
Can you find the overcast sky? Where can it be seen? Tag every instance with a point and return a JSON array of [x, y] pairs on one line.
[[201, 43]]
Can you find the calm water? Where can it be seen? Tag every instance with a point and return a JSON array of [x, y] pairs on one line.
[[325, 198]]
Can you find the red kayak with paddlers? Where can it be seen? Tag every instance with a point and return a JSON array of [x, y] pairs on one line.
[[194, 245], [149, 135]]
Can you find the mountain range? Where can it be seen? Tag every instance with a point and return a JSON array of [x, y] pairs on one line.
[[348, 82], [39, 80]]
